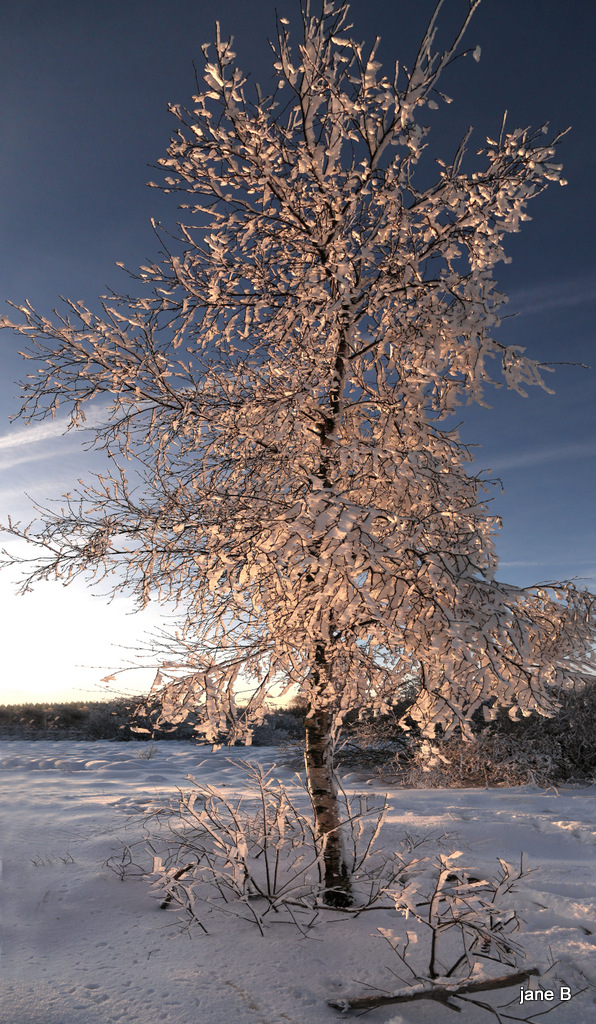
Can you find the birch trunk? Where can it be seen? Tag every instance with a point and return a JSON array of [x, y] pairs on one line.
[[323, 794]]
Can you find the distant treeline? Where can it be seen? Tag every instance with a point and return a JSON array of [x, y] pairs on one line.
[[74, 720], [123, 718]]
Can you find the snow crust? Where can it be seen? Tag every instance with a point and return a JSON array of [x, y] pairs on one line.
[[80, 945]]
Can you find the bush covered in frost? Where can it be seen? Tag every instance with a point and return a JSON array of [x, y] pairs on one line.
[[546, 751]]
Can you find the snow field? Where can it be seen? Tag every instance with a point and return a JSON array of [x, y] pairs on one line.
[[82, 946]]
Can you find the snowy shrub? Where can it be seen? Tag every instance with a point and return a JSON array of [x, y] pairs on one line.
[[490, 759], [260, 856], [459, 931], [367, 741], [545, 751], [572, 730], [462, 919], [148, 752], [278, 728]]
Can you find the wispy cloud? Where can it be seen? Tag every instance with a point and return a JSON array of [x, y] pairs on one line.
[[33, 435], [522, 564], [27, 444], [540, 456], [49, 429], [536, 563], [545, 298], [47, 444]]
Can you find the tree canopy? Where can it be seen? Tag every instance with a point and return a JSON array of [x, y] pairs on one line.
[[280, 385]]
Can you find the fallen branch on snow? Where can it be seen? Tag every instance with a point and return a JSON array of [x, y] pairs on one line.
[[440, 990]]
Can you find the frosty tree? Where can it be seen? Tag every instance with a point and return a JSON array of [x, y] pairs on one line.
[[279, 388]]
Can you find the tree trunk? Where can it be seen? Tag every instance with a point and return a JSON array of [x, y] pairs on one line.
[[323, 794]]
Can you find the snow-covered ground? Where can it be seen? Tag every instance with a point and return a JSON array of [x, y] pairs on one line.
[[82, 946]]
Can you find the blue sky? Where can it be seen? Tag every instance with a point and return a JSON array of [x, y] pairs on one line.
[[85, 89]]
